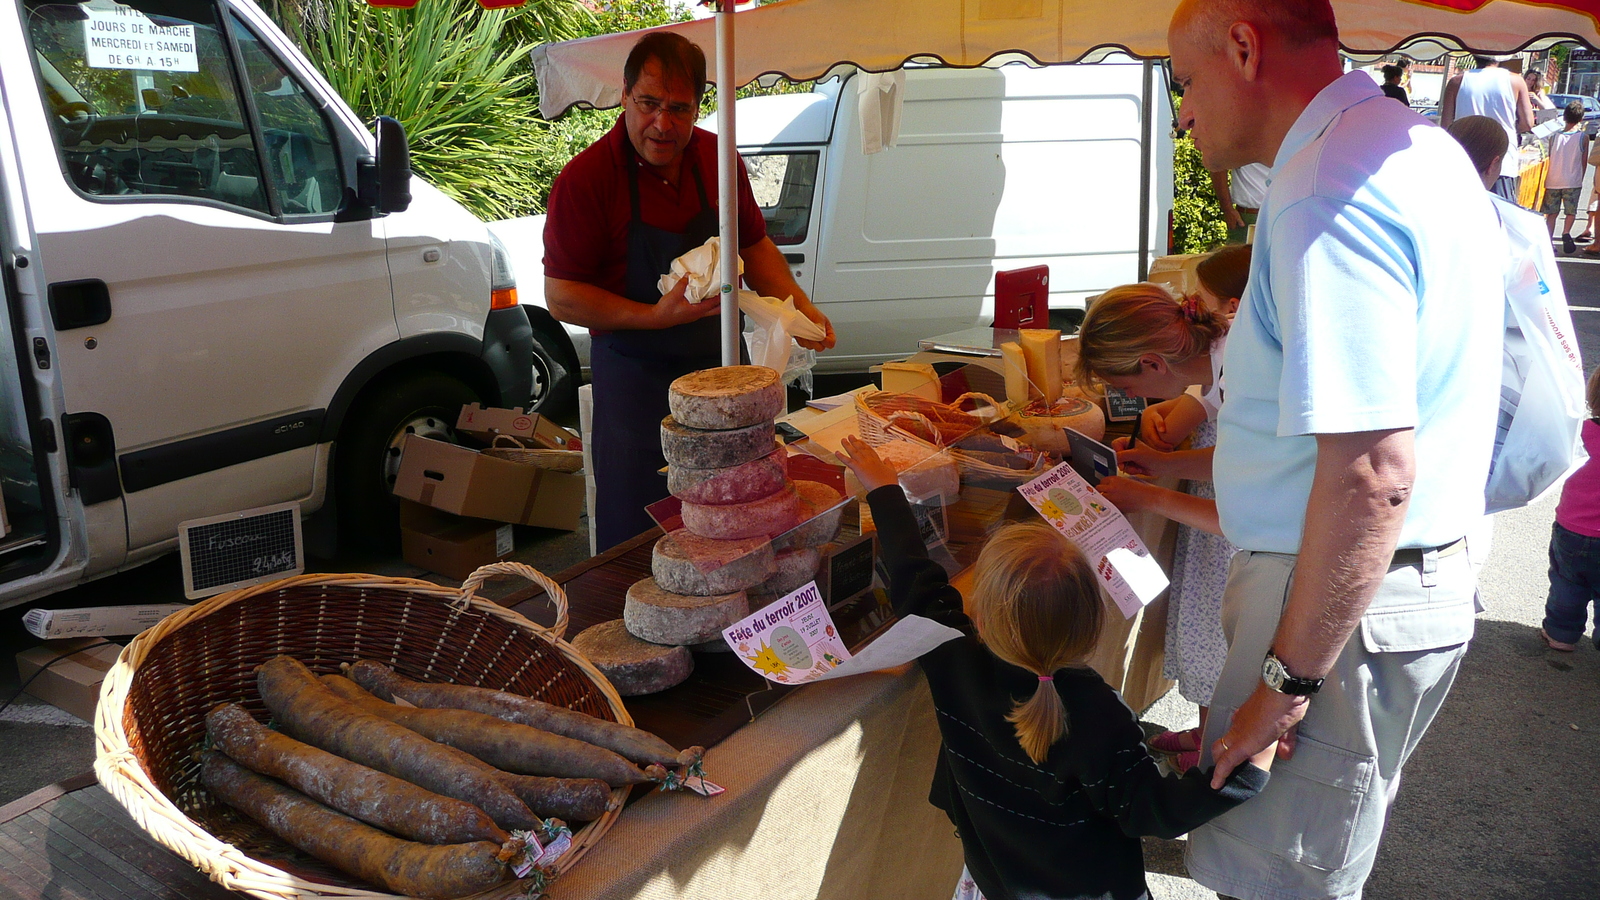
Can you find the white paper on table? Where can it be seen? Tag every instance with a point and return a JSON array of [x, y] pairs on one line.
[[793, 641], [905, 640], [837, 400], [1130, 574]]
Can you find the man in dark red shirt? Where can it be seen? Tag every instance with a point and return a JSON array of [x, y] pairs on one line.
[[620, 213]]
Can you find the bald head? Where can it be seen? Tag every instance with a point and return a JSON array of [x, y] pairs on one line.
[[1296, 22]]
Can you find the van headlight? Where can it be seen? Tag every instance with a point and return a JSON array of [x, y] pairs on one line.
[[502, 280]]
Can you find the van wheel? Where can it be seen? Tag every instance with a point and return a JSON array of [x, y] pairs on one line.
[[555, 379], [368, 455]]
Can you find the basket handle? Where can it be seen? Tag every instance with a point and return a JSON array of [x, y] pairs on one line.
[[937, 439], [970, 394], [469, 590], [515, 441]]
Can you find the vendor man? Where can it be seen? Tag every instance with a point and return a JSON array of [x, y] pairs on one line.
[[620, 213]]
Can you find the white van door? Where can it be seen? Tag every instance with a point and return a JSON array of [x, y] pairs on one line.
[[206, 301]]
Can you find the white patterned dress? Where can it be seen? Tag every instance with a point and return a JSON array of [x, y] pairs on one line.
[[1196, 647]]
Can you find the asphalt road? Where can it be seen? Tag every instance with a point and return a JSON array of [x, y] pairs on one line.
[[1497, 802]]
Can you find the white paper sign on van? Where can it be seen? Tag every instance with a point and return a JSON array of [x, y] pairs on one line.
[[125, 38]]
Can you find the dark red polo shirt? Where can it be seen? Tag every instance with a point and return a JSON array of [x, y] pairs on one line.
[[586, 234]]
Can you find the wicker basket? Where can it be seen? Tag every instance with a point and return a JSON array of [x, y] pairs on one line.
[[518, 452], [883, 416], [150, 722]]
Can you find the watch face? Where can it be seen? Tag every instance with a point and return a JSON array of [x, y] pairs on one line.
[[1272, 673]]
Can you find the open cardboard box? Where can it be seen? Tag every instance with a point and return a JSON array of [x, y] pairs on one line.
[[464, 482], [487, 423]]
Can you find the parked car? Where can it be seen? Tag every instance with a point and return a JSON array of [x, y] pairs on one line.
[[995, 169], [1591, 109], [222, 291]]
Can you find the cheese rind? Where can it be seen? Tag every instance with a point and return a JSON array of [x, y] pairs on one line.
[[663, 617], [727, 397], [1041, 352], [794, 569], [767, 517], [633, 666], [819, 521], [697, 448], [685, 563], [734, 484], [1016, 373]]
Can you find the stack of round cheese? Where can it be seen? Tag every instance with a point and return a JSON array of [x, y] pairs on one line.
[[733, 479]]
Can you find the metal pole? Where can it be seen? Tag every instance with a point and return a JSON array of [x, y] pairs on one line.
[[727, 187], [1146, 117]]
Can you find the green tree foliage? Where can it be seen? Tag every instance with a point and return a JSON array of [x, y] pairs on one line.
[[1197, 224]]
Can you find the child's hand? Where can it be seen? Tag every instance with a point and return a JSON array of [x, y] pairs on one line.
[[871, 470], [1153, 429], [1263, 760], [1126, 494], [1141, 460]]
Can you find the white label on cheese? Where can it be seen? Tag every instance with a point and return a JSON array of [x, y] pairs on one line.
[[125, 38], [503, 542]]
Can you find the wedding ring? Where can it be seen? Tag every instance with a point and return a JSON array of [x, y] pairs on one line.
[[1224, 744]]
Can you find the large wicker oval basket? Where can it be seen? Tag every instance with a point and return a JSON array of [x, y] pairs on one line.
[[150, 723]]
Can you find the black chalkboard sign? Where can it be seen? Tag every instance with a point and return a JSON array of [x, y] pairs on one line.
[[849, 570], [239, 549], [1122, 406]]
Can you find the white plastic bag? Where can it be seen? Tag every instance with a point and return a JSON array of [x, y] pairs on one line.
[[700, 266], [1542, 395], [771, 327]]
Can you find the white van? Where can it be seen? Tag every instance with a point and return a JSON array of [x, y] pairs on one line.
[[222, 292], [995, 169]]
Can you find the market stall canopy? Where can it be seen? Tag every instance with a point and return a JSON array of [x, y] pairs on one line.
[[805, 39]]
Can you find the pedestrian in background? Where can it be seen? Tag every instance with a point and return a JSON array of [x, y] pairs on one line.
[[1391, 84], [1534, 78], [1491, 90], [1240, 193], [1575, 545], [1569, 158]]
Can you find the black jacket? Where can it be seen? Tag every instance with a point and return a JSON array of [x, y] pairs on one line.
[[1065, 828]]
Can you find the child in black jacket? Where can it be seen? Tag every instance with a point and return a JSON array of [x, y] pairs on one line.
[[1043, 769]]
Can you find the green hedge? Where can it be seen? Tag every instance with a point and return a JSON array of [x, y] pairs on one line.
[[1197, 224]]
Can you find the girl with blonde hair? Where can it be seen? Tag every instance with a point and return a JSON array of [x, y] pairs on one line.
[[1042, 769], [1140, 338]]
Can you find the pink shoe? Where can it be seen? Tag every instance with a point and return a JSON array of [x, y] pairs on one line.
[[1186, 760], [1176, 741], [1554, 644]]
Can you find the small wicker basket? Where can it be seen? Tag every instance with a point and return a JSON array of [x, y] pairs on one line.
[[150, 722], [518, 452], [883, 416]]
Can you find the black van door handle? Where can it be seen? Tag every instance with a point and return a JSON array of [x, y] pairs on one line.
[[79, 304], [794, 257]]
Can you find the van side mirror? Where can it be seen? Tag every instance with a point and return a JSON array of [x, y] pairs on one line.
[[394, 167]]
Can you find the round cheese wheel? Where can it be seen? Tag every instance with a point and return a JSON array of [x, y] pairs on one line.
[[820, 521], [696, 448], [686, 563], [1044, 432], [727, 397], [633, 667], [735, 484], [792, 569], [767, 517], [662, 617]]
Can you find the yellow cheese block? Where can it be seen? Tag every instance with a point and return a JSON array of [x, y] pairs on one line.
[[1041, 348], [912, 378], [1016, 372]]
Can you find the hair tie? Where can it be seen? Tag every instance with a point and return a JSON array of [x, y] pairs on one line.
[[1047, 678], [1190, 307]]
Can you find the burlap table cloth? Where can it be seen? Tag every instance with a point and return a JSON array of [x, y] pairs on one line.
[[827, 797]]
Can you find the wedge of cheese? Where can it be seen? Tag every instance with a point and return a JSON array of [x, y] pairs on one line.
[[912, 378], [1041, 350], [1015, 365]]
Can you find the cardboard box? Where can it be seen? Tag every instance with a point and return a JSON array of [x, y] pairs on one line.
[[72, 683], [487, 423], [450, 545], [92, 621], [464, 482]]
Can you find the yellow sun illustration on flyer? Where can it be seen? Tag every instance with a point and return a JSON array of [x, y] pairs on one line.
[[767, 662]]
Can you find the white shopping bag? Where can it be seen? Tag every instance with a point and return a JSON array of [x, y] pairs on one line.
[[773, 325]]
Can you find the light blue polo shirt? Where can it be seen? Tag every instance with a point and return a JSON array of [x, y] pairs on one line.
[[1376, 301]]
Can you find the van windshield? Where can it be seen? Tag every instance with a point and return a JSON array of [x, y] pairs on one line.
[[144, 100]]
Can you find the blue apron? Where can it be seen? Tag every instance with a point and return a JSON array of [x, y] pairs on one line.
[[630, 371]]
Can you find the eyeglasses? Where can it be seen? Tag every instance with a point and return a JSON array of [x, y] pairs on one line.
[[650, 106]]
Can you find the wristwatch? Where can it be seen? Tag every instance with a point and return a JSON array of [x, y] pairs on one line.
[[1279, 679]]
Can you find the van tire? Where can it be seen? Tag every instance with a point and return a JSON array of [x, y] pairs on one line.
[[555, 378], [368, 452]]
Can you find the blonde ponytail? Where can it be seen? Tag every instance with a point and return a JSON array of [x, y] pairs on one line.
[[1036, 604], [1127, 322]]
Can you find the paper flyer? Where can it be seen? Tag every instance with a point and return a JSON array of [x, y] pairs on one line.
[[793, 641], [1131, 575]]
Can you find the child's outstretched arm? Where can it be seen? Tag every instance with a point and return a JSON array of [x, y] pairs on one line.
[[917, 584], [1132, 495], [1120, 778]]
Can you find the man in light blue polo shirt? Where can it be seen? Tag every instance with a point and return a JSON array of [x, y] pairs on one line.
[[1363, 377]]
